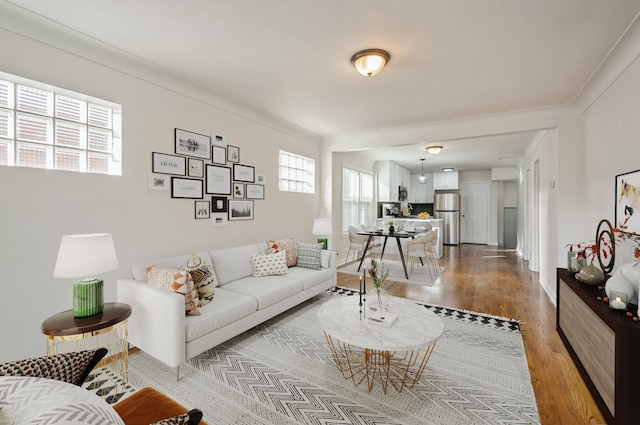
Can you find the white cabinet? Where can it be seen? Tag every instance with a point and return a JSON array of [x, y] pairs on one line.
[[389, 176], [444, 180], [421, 193]]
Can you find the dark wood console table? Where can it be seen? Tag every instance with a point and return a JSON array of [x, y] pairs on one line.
[[605, 346]]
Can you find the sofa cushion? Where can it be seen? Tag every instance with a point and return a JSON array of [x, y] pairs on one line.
[[179, 281], [269, 264], [309, 277], [203, 278], [268, 290], [139, 270], [227, 307], [233, 263], [287, 245], [309, 255]]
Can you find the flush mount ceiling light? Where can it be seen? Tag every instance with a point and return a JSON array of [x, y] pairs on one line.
[[370, 61], [447, 169], [422, 179], [434, 150]]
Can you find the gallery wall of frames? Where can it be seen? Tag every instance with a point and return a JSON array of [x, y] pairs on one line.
[[208, 171]]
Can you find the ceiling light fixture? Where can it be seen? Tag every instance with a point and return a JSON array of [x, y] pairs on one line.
[[422, 179], [447, 169], [370, 61], [434, 150]]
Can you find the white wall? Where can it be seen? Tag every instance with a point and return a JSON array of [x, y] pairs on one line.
[[39, 206]]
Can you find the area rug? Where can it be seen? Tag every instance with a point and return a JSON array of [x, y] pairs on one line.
[[419, 275], [281, 372]]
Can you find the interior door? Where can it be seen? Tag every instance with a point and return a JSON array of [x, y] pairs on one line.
[[474, 212]]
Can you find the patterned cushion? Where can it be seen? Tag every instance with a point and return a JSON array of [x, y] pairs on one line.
[[309, 255], [179, 281], [68, 367], [288, 245], [270, 264], [190, 418], [203, 278]]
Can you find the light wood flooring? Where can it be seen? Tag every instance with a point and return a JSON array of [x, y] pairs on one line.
[[497, 281]]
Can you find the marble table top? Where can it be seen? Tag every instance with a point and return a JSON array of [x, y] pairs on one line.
[[414, 327]]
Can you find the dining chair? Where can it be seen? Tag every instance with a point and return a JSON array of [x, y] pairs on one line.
[[358, 242], [423, 248]]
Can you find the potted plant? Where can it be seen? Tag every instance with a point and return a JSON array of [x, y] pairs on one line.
[[379, 279], [391, 228]]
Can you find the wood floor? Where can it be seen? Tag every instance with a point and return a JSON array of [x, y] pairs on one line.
[[496, 281]]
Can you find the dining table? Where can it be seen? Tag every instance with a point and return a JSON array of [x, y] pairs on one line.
[[386, 235]]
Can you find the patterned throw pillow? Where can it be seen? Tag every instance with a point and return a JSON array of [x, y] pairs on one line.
[[309, 255], [176, 420], [203, 278], [288, 245], [270, 264], [179, 281]]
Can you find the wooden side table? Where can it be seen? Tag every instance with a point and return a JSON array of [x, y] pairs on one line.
[[107, 329]]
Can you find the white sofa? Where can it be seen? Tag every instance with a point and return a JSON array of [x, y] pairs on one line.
[[158, 324]]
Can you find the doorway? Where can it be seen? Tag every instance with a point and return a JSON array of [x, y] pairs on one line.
[[510, 227], [474, 212]]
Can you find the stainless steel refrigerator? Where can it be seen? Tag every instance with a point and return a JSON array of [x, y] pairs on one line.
[[447, 207]]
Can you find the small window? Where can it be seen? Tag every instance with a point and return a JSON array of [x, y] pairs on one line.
[[297, 173], [48, 127]]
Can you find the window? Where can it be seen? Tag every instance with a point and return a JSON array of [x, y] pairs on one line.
[[357, 198], [47, 127], [297, 173]]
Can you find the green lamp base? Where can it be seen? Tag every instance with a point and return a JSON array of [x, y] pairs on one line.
[[324, 242], [88, 297]]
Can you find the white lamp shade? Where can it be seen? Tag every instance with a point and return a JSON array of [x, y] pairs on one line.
[[322, 227], [85, 255]]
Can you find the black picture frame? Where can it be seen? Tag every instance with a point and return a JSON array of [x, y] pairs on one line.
[[218, 180], [238, 190], [254, 191], [162, 163], [219, 204], [628, 201], [233, 153], [240, 210], [183, 188], [192, 144], [244, 173]]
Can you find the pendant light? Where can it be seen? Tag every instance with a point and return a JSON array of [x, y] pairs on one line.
[[422, 179]]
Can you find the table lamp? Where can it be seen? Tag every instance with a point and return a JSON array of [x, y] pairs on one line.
[[82, 256], [322, 227]]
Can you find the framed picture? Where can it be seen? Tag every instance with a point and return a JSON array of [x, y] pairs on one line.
[[254, 191], [186, 188], [202, 209], [243, 173], [196, 167], [192, 144], [218, 180], [158, 182], [219, 204], [628, 200], [233, 153], [219, 155], [168, 164], [238, 190], [218, 139], [240, 210], [261, 178], [218, 219]]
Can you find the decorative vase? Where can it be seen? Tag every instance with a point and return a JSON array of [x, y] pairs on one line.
[[380, 301], [392, 229], [590, 275], [574, 264]]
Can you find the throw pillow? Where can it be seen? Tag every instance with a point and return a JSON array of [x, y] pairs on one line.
[[192, 417], [179, 281], [325, 256], [269, 264], [288, 245], [203, 278], [309, 255]]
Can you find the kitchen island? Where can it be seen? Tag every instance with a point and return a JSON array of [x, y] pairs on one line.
[[410, 223]]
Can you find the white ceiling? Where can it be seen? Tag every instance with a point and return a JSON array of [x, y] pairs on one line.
[[450, 59]]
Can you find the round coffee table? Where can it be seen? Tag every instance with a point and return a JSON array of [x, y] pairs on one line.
[[363, 348]]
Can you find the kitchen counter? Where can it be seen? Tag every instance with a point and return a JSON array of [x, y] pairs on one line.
[[409, 223]]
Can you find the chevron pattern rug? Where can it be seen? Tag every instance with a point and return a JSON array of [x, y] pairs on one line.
[[282, 372]]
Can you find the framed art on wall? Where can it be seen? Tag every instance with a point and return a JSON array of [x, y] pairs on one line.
[[243, 173], [158, 182], [218, 219], [186, 188], [196, 167], [192, 144], [202, 209], [218, 180], [219, 204], [254, 191], [168, 164], [238, 190], [233, 153], [628, 200], [219, 154], [240, 210]]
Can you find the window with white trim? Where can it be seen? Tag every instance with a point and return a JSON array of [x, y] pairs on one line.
[[42, 126], [297, 173], [357, 198]]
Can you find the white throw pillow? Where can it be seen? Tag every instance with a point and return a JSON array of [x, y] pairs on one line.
[[325, 256], [269, 264]]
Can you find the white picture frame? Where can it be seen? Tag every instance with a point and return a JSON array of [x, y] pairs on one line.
[[218, 219], [240, 210], [192, 144], [195, 167], [168, 164], [254, 191], [202, 210], [219, 155], [159, 182]]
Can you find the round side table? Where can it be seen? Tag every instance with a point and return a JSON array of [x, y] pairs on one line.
[[106, 329]]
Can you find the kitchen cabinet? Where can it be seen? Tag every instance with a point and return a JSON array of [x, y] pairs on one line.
[[421, 193], [445, 180], [389, 176]]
